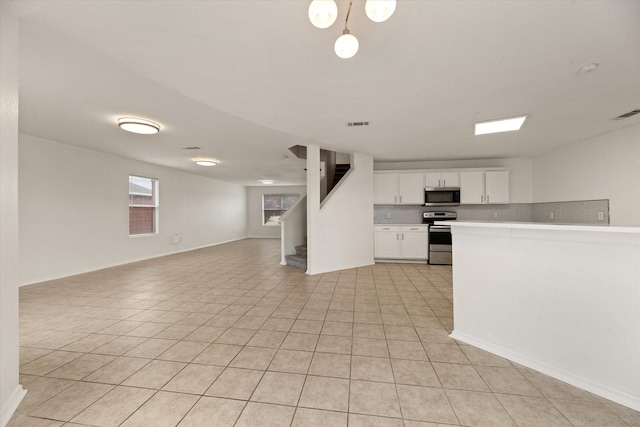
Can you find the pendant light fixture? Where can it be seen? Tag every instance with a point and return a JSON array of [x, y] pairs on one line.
[[323, 13]]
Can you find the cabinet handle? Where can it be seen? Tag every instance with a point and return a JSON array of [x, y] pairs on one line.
[[397, 236], [400, 199], [402, 236], [487, 198], [386, 228], [439, 183], [395, 199], [481, 199], [413, 229], [444, 182]]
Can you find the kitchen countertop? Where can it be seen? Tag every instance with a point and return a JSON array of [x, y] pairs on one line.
[[544, 226]]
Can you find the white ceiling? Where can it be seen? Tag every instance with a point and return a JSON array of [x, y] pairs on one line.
[[245, 80]]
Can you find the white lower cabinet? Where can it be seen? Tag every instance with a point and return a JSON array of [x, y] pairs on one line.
[[410, 242]]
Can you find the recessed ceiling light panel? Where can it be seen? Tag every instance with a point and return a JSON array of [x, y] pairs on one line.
[[205, 162], [500, 125], [141, 126], [266, 181]]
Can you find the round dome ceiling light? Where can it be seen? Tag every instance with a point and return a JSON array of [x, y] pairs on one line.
[[141, 126], [588, 68], [205, 162], [380, 10], [347, 45], [266, 181], [323, 13]]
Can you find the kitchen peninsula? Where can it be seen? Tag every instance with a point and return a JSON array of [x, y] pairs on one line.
[[561, 299]]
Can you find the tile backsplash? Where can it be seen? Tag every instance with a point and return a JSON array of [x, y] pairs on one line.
[[576, 212]]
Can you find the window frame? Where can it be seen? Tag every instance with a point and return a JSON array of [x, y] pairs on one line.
[[155, 191], [263, 210]]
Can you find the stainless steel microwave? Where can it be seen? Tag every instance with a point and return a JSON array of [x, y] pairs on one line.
[[442, 196]]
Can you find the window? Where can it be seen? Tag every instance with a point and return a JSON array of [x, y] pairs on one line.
[[143, 205], [274, 205]]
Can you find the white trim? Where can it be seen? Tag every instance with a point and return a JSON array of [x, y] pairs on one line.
[[584, 383], [263, 237], [102, 267], [12, 404]]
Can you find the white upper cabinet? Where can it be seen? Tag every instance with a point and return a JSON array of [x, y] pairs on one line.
[[482, 187], [398, 188], [442, 179]]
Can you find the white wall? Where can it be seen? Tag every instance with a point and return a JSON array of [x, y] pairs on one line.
[[340, 231], [520, 176], [254, 208], [74, 210], [605, 167], [11, 393]]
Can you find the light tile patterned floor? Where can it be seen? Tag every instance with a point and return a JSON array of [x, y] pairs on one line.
[[225, 336]]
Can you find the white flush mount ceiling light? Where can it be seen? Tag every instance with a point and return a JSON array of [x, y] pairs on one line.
[[266, 181], [501, 125], [141, 126], [323, 13], [205, 162]]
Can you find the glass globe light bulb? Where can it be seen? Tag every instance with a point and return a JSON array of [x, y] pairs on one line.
[[347, 45], [323, 13], [380, 10]]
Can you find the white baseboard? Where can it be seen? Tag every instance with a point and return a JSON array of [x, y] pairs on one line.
[[617, 396], [9, 408]]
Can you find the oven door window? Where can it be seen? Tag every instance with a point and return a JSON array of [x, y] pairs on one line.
[[439, 236]]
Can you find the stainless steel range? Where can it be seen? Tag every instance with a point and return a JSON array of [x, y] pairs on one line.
[[439, 236]]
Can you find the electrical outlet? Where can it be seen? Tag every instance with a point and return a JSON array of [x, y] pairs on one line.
[[551, 215], [495, 214], [389, 215], [600, 216]]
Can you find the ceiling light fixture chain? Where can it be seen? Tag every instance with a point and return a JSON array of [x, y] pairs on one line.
[[323, 13]]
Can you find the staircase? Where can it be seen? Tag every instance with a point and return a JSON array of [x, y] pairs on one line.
[[340, 171], [299, 260]]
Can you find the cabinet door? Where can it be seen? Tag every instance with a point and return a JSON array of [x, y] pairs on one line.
[[497, 186], [472, 187], [385, 188], [411, 188], [432, 179], [387, 244], [415, 244], [450, 179]]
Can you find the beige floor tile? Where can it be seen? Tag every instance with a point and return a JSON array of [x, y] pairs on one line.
[[414, 372], [305, 417], [82, 366], [363, 330], [59, 339], [411, 350], [176, 332], [155, 374], [298, 341], [463, 377], [254, 358], [581, 413], [400, 333], [311, 314], [265, 415], [218, 354], [114, 407], [448, 353], [205, 334], [483, 358], [278, 324], [371, 369], [20, 420], [183, 351], [373, 318], [194, 379], [339, 316], [478, 409], [279, 388], [196, 319], [48, 362], [628, 415], [41, 390], [532, 411], [118, 370], [89, 343], [250, 322], [334, 344], [331, 365], [292, 361], [71, 401], [434, 335], [148, 329], [553, 388], [370, 347], [337, 328], [373, 398], [119, 346], [235, 336], [272, 339], [357, 420], [425, 404], [213, 411], [235, 383], [507, 381], [164, 409], [28, 354], [222, 321], [307, 326], [121, 327], [325, 393], [151, 348]]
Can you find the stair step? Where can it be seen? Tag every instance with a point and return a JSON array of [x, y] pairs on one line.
[[297, 261], [301, 251]]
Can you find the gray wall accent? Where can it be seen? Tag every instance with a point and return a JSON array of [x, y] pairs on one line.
[[575, 212]]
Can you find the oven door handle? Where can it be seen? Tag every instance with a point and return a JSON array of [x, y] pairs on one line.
[[440, 228]]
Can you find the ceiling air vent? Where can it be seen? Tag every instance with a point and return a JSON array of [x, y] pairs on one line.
[[626, 115], [190, 148], [358, 124]]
